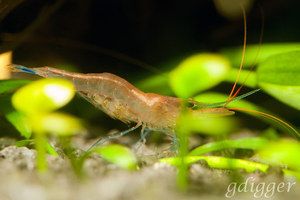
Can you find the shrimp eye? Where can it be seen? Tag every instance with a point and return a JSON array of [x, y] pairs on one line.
[[195, 107], [190, 104]]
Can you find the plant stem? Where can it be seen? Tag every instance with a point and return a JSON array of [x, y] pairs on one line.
[[40, 142], [182, 179], [183, 133]]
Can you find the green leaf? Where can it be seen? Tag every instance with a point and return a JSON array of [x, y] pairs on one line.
[[212, 122], [20, 122], [282, 153], [197, 73], [49, 147], [56, 123], [244, 143], [51, 150], [251, 81], [234, 54], [43, 95], [281, 69], [214, 97], [290, 173], [11, 84], [219, 163], [119, 155], [279, 76], [17, 119], [271, 134], [155, 84], [289, 95], [23, 143]]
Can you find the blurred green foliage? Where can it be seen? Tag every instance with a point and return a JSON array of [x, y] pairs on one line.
[[279, 76], [17, 119], [198, 73], [274, 66], [282, 153], [119, 155], [244, 143], [6, 108], [30, 142], [11, 84], [36, 102], [44, 95], [56, 123], [257, 53], [218, 162], [278, 65]]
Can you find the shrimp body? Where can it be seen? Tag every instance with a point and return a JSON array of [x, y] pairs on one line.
[[121, 100], [118, 98]]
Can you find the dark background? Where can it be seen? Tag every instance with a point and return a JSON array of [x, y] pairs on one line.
[[82, 32], [135, 38]]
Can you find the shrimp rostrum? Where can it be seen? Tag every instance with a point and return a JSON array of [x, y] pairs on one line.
[[121, 100]]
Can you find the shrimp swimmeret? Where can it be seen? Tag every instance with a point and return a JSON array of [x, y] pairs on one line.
[[121, 100]]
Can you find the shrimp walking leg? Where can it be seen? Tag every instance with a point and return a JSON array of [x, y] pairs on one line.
[[142, 140], [173, 149], [101, 141]]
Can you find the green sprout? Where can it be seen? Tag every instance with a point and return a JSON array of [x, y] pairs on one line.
[[119, 155], [42, 96], [38, 101]]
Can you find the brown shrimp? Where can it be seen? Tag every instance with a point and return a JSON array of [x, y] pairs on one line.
[[121, 100]]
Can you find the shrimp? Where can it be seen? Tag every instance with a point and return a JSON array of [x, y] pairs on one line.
[[121, 100]]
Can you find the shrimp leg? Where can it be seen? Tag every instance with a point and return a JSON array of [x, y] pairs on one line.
[[174, 148], [142, 140], [101, 141]]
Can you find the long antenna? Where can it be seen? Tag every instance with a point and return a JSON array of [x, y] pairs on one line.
[[256, 56], [291, 129], [243, 56], [231, 97]]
